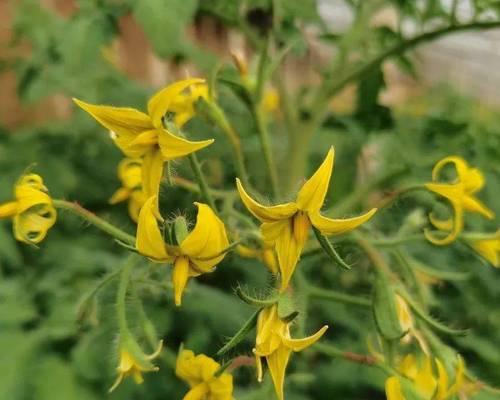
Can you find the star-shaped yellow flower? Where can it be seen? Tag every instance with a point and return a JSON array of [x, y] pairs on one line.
[[130, 174], [424, 380], [144, 135], [198, 253], [460, 194], [32, 211], [199, 373], [286, 226], [274, 342], [489, 249], [133, 362]]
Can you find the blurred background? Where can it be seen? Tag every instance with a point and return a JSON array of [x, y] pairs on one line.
[[442, 99]]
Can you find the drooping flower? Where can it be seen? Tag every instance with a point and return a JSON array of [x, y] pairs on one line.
[[286, 226], [133, 362], [265, 254], [425, 382], [32, 210], [274, 342], [199, 372], [196, 253], [489, 248], [130, 174], [144, 135], [460, 193]]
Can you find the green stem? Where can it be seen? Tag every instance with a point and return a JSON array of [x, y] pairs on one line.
[[121, 296], [266, 148], [194, 188], [332, 351], [195, 165], [98, 222], [389, 242], [327, 294]]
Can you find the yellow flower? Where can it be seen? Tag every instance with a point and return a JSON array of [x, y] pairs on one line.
[[32, 210], [265, 254], [424, 380], [130, 174], [489, 249], [199, 373], [274, 342], [143, 135], [198, 253], [183, 104], [270, 100], [286, 226], [133, 362], [460, 194]]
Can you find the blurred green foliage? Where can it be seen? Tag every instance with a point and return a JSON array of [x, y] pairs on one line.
[[49, 351]]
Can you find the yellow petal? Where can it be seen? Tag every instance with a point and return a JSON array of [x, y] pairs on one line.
[[312, 194], [489, 249], [474, 205], [442, 385], [159, 104], [130, 172], [135, 203], [458, 224], [152, 171], [471, 178], [287, 248], [451, 192], [8, 209], [198, 392], [269, 259], [247, 252], [149, 240], [221, 388], [137, 375], [277, 363], [301, 344], [265, 213], [32, 225], [441, 224], [126, 123], [172, 146], [180, 276], [186, 367], [120, 195], [141, 144], [329, 226], [393, 389], [425, 381], [207, 240], [28, 197]]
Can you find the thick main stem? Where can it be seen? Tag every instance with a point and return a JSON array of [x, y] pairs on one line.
[[98, 222]]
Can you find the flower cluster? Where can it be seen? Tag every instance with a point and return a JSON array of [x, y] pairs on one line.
[[150, 140]]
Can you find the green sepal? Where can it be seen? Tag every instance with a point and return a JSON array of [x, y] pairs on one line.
[[239, 336], [180, 229], [330, 250], [384, 309], [253, 301], [286, 306]]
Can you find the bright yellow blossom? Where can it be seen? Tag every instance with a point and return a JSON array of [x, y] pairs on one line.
[[286, 226], [183, 104], [32, 210], [489, 248], [133, 362], [424, 380], [198, 253], [265, 254], [460, 193], [199, 373], [274, 342], [130, 174], [144, 135]]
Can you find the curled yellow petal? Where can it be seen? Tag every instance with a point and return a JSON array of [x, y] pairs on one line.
[[180, 276], [160, 103], [149, 240], [301, 344], [32, 225], [172, 146], [206, 241], [277, 363], [393, 389], [458, 224], [8, 209], [312, 194], [441, 224], [329, 226]]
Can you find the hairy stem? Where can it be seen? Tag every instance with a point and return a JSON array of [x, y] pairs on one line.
[[200, 178]]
